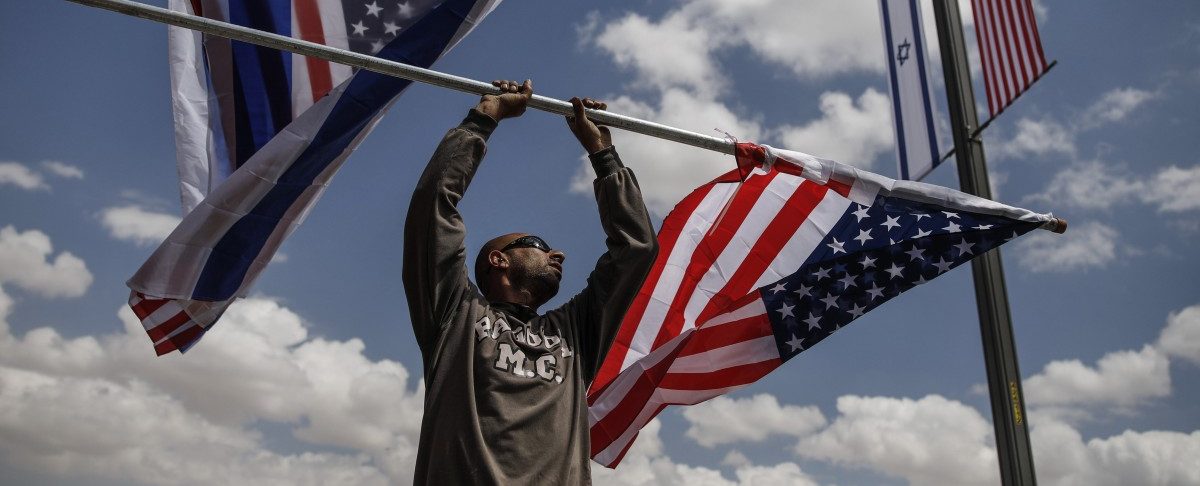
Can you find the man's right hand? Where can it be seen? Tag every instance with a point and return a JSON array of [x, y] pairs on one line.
[[510, 103]]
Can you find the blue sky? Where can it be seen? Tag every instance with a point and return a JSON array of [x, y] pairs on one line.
[[316, 378]]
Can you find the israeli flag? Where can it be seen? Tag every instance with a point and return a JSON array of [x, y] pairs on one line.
[[908, 75]]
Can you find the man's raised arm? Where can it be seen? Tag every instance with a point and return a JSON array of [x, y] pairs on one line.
[[435, 273]]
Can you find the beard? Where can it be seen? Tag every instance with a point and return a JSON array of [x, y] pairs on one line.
[[542, 283]]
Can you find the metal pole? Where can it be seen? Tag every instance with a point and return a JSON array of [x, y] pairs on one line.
[[391, 68], [999, 351]]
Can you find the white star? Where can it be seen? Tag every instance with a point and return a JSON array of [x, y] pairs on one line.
[[892, 222], [777, 288], [802, 291], [964, 247], [377, 46], [359, 28], [863, 236], [921, 215], [920, 280], [813, 321], [943, 266], [796, 343], [867, 262], [896, 271], [822, 273], [830, 301], [922, 233], [847, 282], [855, 312], [952, 227], [785, 311], [373, 9], [861, 213], [916, 253], [984, 227], [950, 214], [836, 245], [875, 291], [406, 11], [1014, 235], [390, 28]]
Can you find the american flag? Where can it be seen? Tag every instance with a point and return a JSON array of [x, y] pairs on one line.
[[1009, 48], [751, 273], [260, 133]]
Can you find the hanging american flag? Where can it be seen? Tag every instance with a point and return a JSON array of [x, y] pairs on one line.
[[260, 133], [752, 273], [1009, 48]]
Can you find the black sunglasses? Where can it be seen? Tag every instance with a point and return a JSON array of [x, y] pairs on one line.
[[528, 241]]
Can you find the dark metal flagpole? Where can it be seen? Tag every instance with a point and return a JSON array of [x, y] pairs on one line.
[[995, 324]]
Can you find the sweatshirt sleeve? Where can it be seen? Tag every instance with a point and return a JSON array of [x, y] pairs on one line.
[[632, 246], [435, 272]]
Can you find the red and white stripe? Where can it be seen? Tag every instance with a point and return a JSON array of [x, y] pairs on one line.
[[323, 22], [1010, 49], [698, 327], [167, 323]]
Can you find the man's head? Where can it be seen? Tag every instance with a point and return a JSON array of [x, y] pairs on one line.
[[519, 268]]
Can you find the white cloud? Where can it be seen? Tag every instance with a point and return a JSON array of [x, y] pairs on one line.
[[1091, 185], [674, 52], [20, 176], [63, 169], [1083, 246], [1037, 138], [25, 261], [646, 465], [1114, 106], [724, 420], [138, 225], [848, 131], [927, 441], [1151, 457], [1121, 379], [1181, 337], [1174, 189]]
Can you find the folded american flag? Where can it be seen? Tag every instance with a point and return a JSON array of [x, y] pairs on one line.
[[751, 273]]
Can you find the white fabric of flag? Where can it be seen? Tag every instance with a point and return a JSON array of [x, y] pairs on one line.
[[913, 107]]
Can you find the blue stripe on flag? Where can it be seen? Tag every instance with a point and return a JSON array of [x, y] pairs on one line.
[[367, 93], [887, 27], [262, 84], [920, 47]]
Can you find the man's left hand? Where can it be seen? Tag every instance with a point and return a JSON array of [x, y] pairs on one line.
[[510, 103]]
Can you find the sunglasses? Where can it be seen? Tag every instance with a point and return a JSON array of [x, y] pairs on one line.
[[528, 241]]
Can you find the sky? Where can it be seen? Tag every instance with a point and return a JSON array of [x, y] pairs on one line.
[[315, 377]]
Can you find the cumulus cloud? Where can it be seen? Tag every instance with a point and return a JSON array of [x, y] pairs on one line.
[[1120, 379], [1181, 337], [18, 175], [932, 440], [138, 225], [25, 261], [1114, 106], [62, 169], [1101, 186], [849, 131], [724, 420], [1151, 457], [1174, 189], [1037, 138], [674, 52], [1084, 246], [647, 465]]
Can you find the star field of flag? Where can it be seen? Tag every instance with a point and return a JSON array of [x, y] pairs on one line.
[[371, 25], [872, 254]]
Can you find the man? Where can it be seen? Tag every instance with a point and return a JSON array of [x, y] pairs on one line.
[[505, 387]]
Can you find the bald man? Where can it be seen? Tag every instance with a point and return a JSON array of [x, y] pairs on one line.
[[504, 384]]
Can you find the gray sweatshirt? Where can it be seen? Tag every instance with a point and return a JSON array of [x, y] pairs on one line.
[[505, 388]]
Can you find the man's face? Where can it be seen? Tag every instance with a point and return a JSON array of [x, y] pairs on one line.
[[533, 265]]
